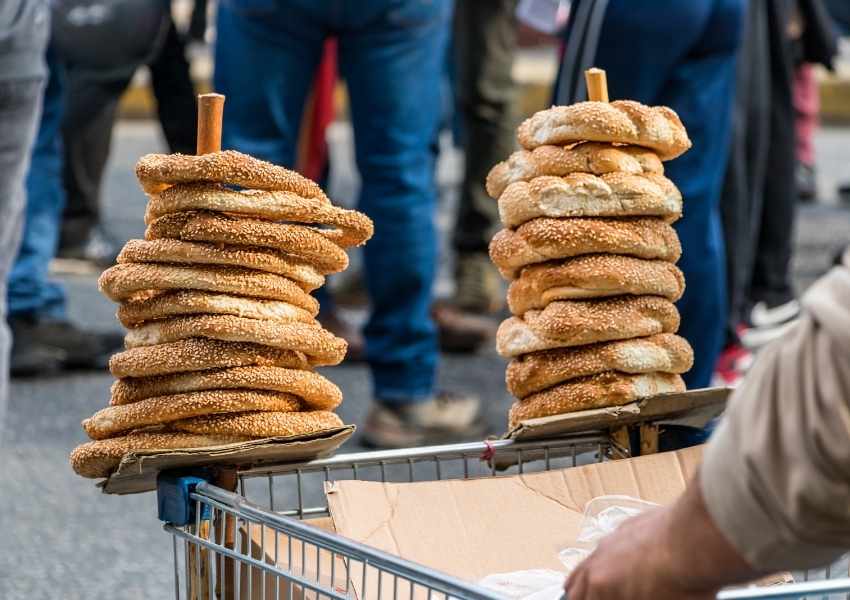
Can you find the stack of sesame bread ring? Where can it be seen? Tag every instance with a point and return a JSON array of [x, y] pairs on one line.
[[222, 341], [590, 254]]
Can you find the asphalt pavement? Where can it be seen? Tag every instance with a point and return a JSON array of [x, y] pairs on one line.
[[61, 538]]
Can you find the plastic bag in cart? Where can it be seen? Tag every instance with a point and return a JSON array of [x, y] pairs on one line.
[[602, 516]]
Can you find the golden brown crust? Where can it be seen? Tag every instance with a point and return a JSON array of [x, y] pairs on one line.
[[262, 424], [596, 391], [665, 353], [316, 392], [124, 281], [619, 122], [304, 243], [156, 172], [593, 276], [321, 347], [591, 157], [541, 240], [113, 420], [586, 195], [347, 227], [197, 253], [577, 322], [197, 354], [102, 457], [193, 302]]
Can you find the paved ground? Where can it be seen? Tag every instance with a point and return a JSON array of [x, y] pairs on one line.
[[61, 538]]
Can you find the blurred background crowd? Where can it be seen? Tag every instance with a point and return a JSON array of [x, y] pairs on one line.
[[414, 78]]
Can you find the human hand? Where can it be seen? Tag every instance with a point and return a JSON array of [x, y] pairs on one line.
[[671, 552]]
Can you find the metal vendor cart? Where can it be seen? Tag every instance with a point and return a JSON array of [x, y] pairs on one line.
[[266, 541]]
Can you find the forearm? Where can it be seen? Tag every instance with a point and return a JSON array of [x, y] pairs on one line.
[[775, 475], [696, 552]]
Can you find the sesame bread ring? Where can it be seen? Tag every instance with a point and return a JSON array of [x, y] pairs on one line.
[[262, 424], [101, 458], [123, 281], [593, 276], [156, 172], [541, 240], [197, 253], [316, 392], [665, 353], [618, 122], [591, 157], [586, 195], [321, 346], [304, 243], [577, 322], [112, 420], [596, 391], [192, 302], [347, 227], [197, 354]]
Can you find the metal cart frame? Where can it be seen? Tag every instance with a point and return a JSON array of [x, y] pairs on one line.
[[222, 548]]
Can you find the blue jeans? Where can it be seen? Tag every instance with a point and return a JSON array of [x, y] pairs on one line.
[[683, 55], [30, 290], [391, 56]]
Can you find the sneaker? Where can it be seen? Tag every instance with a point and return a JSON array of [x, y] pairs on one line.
[[478, 285], [98, 248], [463, 322], [48, 345], [446, 418], [769, 323], [460, 331], [806, 182], [732, 364]]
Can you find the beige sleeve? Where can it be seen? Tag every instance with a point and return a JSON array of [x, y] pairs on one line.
[[776, 475]]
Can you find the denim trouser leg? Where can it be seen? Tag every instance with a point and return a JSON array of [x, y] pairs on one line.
[[391, 55], [393, 68], [262, 115], [692, 52], [30, 290]]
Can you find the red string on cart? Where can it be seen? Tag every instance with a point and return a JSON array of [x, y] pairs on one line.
[[489, 452]]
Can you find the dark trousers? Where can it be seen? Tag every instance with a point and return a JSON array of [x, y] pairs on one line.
[[759, 194], [91, 106], [683, 55], [485, 44]]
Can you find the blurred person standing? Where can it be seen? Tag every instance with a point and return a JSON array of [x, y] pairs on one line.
[[43, 339], [391, 54], [760, 192], [485, 42], [682, 55], [24, 30], [138, 33]]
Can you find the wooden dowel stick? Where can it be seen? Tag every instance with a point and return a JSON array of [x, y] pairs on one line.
[[210, 112], [597, 85]]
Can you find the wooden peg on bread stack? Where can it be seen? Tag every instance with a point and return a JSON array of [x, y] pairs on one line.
[[597, 85], [210, 115]]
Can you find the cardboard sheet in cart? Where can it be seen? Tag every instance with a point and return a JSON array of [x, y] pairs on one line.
[[480, 527]]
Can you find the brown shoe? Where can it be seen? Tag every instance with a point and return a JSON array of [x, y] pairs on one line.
[[446, 418], [478, 286], [333, 322], [460, 331]]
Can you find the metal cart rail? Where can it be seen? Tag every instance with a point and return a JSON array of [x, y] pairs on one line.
[[255, 544]]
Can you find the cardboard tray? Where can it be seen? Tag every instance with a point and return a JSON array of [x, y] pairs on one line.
[[138, 470], [695, 408]]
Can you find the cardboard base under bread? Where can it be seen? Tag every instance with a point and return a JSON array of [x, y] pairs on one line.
[[138, 470], [695, 408]]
